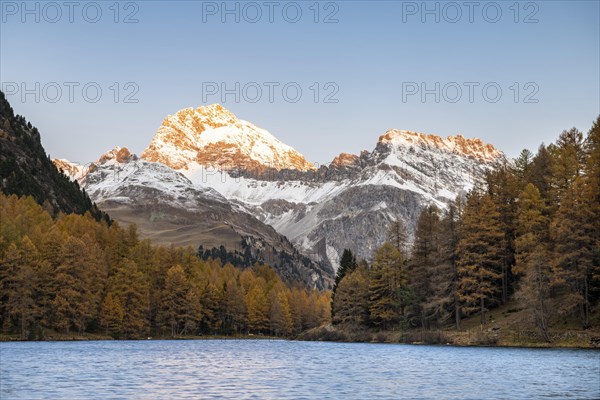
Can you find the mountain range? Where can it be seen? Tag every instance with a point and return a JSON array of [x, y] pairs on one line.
[[208, 178]]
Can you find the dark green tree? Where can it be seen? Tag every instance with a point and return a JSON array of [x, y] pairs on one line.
[[347, 265]]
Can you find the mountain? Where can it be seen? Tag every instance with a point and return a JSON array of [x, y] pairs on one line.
[[346, 204], [25, 168], [351, 202], [212, 136], [169, 209]]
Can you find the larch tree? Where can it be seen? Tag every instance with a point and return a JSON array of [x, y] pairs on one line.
[[568, 158], [74, 302], [296, 300], [73, 273], [19, 284], [234, 307], [257, 305], [503, 187], [397, 235], [592, 201], [280, 319], [351, 304], [112, 315], [533, 261], [479, 252], [540, 172], [424, 261], [175, 302], [387, 279], [572, 232], [130, 288], [210, 301], [442, 303]]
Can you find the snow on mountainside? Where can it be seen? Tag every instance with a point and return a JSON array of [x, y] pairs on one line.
[[208, 152], [469, 148], [117, 172], [71, 169], [213, 136], [436, 168], [169, 209], [349, 203]]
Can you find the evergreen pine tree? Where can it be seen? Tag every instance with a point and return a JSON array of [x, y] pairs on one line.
[[523, 164], [347, 265]]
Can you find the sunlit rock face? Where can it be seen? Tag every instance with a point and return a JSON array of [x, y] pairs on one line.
[[212, 136]]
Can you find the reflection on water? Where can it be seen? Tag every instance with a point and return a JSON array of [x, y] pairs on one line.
[[261, 369]]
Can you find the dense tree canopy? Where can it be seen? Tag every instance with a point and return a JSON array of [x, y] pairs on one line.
[[73, 274]]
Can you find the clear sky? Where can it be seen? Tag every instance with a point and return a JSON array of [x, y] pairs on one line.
[[374, 57]]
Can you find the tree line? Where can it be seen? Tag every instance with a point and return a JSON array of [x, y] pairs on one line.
[[72, 274], [530, 233]]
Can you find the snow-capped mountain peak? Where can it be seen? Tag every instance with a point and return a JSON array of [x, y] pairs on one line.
[[470, 148], [213, 136]]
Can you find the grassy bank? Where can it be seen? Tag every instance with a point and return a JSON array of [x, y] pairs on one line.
[[506, 326], [471, 337]]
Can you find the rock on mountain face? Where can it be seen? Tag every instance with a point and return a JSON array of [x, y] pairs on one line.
[[168, 209], [213, 136]]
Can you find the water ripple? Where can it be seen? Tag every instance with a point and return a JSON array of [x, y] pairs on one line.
[[261, 369]]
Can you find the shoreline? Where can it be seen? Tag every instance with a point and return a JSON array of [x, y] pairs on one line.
[[98, 338], [309, 336], [567, 339]]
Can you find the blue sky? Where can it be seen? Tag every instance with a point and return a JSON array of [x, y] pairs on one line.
[[372, 57]]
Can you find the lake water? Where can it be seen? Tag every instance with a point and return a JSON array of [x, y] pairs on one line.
[[238, 369]]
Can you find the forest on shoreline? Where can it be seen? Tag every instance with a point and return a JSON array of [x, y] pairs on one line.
[[72, 275]]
